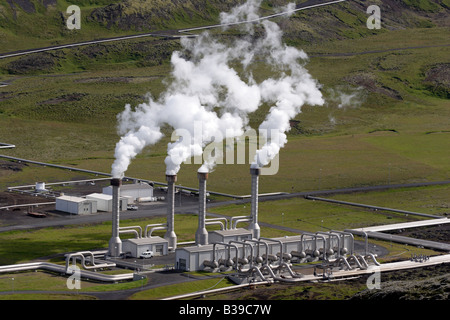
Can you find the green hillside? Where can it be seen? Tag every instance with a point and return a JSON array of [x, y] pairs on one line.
[[61, 106]]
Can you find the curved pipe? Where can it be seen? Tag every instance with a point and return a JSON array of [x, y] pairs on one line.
[[349, 267], [130, 231], [61, 269], [219, 219], [371, 255], [237, 217], [209, 223], [259, 242], [281, 247], [352, 242], [243, 250], [302, 239], [133, 227], [83, 261], [241, 220], [329, 234], [226, 245], [153, 225], [354, 258], [149, 235]]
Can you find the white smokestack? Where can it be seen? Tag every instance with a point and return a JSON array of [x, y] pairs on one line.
[[170, 234], [254, 226], [201, 236], [115, 244]]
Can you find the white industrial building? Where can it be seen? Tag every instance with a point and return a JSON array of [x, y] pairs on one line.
[[133, 191], [76, 205], [104, 202], [134, 247]]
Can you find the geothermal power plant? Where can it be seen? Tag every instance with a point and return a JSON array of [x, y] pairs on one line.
[[232, 247]]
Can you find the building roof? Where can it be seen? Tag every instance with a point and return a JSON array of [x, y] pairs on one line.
[[101, 196], [72, 199], [232, 232], [143, 241]]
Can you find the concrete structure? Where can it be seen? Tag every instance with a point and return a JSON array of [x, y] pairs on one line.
[[170, 235], [75, 205], [105, 201], [135, 247], [134, 191]]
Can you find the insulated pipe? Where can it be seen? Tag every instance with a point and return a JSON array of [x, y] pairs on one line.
[[152, 225], [132, 227], [232, 220], [281, 247], [352, 242], [330, 249], [226, 245], [208, 223], [240, 220], [201, 236], [243, 250], [115, 244], [259, 258], [130, 231], [149, 235], [254, 226], [324, 246], [170, 235], [219, 219], [302, 237]]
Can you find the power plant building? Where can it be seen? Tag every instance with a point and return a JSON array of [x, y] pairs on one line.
[[134, 191], [76, 205], [134, 247], [104, 202]]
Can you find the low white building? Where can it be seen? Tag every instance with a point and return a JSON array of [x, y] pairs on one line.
[[133, 191], [136, 246], [76, 205], [104, 201]]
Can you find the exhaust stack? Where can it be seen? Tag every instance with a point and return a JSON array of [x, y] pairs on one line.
[[170, 234], [254, 226], [115, 244], [201, 236]]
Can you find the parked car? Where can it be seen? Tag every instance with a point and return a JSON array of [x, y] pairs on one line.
[[146, 254], [132, 207]]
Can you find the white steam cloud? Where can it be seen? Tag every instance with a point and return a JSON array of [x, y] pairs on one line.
[[206, 87]]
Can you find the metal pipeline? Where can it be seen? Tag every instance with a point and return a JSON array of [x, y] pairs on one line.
[[130, 231], [61, 269], [281, 247], [330, 249], [219, 219], [152, 225], [209, 223], [259, 258], [132, 227], [226, 245], [372, 256], [243, 250], [83, 261], [344, 233], [149, 235], [302, 239], [241, 220], [233, 225]]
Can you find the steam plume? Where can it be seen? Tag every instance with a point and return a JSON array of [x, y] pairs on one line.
[[205, 87]]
